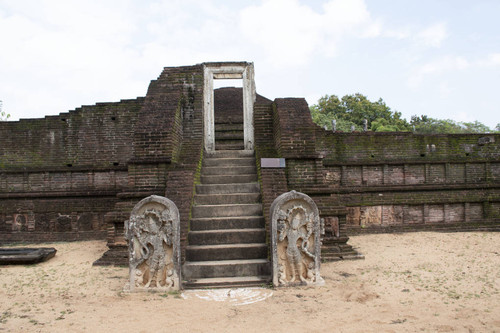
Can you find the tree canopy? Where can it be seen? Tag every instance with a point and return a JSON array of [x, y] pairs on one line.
[[3, 115], [424, 124], [351, 111]]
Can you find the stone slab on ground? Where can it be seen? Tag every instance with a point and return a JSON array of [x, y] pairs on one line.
[[25, 256]]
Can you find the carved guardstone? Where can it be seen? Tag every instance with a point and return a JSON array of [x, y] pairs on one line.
[[295, 240], [153, 236]]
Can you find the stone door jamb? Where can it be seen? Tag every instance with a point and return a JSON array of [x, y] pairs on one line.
[[244, 71]]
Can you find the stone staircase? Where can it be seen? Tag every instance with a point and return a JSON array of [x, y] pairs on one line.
[[227, 238], [229, 136]]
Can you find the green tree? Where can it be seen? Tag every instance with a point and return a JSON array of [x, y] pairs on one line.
[[3, 116], [352, 110], [475, 127], [425, 124]]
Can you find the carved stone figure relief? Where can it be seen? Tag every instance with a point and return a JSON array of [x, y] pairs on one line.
[[370, 215], [20, 222], [63, 223], [153, 237], [331, 226], [295, 240]]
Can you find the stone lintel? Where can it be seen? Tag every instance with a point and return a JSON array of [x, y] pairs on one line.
[[228, 75]]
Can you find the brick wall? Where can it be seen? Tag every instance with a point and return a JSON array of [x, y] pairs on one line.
[[77, 175], [59, 175], [393, 181], [280, 132], [228, 104], [89, 137], [168, 144]]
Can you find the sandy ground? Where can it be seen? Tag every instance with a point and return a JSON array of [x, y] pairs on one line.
[[416, 282]]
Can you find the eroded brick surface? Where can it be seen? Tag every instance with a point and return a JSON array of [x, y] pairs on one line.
[[78, 174]]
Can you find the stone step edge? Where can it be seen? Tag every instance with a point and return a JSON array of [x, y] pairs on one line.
[[217, 231], [247, 158], [229, 167], [235, 153], [228, 205], [237, 194], [225, 282], [239, 184], [240, 174], [226, 262], [210, 178], [225, 246], [236, 278], [227, 218], [232, 151]]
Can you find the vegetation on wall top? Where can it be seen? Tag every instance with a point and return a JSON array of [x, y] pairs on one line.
[[3, 115]]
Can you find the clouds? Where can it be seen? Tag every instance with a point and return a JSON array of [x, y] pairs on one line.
[[436, 67], [433, 35], [440, 66], [59, 52], [58, 55], [291, 32], [492, 60], [68, 53]]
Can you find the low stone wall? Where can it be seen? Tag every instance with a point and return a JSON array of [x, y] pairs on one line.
[[50, 237]]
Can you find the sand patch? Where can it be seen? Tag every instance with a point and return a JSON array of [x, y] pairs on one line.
[[430, 282]]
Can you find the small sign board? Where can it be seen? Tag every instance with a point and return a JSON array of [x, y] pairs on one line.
[[272, 163]]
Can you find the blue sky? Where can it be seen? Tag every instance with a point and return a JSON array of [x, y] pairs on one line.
[[439, 58]]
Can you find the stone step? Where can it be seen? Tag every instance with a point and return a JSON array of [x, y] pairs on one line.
[[221, 162], [221, 127], [227, 236], [226, 252], [221, 199], [228, 282], [227, 188], [229, 145], [228, 135], [117, 256], [229, 153], [199, 211], [262, 106], [228, 170], [239, 222], [227, 142], [229, 179], [225, 268]]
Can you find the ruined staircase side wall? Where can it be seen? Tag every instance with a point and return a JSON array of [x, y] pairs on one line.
[[295, 135], [158, 131], [295, 140], [272, 180], [185, 172], [59, 175], [167, 148]]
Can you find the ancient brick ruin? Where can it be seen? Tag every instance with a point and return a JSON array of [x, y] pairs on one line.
[[78, 175]]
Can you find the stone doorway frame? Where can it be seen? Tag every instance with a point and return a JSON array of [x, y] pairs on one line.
[[228, 70]]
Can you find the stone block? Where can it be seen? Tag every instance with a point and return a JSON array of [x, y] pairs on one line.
[[370, 215], [392, 214], [153, 235], [295, 240]]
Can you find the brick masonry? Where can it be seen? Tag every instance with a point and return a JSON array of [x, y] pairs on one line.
[[77, 175]]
